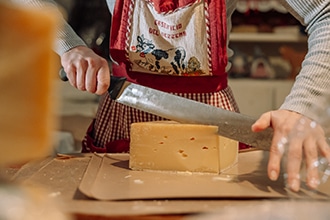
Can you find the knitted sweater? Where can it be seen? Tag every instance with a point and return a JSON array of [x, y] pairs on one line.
[[311, 87]]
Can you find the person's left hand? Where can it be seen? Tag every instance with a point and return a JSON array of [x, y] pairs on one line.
[[304, 141]]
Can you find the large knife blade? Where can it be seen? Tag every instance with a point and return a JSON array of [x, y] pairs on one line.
[[233, 125], [230, 124]]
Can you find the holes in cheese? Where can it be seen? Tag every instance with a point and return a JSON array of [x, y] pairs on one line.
[[187, 147]]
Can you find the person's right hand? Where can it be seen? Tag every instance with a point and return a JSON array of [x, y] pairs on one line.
[[86, 70]]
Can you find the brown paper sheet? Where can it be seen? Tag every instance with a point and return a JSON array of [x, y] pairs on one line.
[[108, 177], [62, 175]]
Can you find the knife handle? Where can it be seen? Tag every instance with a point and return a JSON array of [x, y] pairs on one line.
[[62, 74], [116, 83]]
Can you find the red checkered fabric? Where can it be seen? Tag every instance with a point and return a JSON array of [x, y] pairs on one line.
[[110, 130]]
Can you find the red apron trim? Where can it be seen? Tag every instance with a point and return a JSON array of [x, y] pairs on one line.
[[218, 33], [170, 5], [174, 84]]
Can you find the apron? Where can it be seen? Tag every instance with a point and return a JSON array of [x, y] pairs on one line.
[[176, 46]]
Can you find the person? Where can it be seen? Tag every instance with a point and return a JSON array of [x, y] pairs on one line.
[[181, 47]]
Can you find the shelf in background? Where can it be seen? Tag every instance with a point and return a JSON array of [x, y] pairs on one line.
[[257, 96], [267, 37], [260, 5]]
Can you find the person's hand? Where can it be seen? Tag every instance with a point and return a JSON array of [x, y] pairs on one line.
[[304, 140], [86, 70]]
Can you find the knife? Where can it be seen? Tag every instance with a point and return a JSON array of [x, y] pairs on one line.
[[230, 124]]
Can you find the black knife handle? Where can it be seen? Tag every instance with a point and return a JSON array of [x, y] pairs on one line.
[[62, 74], [116, 83]]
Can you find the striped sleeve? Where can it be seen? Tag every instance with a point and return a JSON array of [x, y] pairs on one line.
[[311, 91]]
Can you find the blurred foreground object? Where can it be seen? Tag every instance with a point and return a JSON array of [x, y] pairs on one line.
[[27, 68], [28, 203], [27, 112]]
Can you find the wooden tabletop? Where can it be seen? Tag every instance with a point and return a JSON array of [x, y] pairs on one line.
[[61, 176]]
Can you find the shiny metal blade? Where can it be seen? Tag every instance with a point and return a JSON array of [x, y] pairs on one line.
[[231, 124]]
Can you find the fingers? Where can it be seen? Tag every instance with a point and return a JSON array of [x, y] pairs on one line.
[[86, 70], [71, 75], [308, 147], [97, 78], [324, 162], [293, 164], [262, 123], [306, 143], [273, 168], [296, 139], [275, 156], [103, 81], [283, 123], [76, 75], [314, 146], [90, 79], [324, 148], [81, 73], [311, 154]]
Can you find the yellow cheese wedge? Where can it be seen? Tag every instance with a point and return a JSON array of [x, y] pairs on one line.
[[27, 70], [171, 146]]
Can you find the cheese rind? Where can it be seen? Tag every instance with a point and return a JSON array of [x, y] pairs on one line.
[[171, 146]]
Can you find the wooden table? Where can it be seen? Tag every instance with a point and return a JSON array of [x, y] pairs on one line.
[[61, 177]]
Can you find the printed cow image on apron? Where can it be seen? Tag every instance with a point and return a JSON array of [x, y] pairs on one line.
[[170, 38], [161, 43]]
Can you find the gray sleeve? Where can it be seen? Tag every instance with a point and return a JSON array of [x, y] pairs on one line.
[[311, 89], [111, 5], [66, 36]]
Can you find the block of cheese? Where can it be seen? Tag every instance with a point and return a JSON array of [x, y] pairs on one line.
[[28, 67], [171, 146]]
